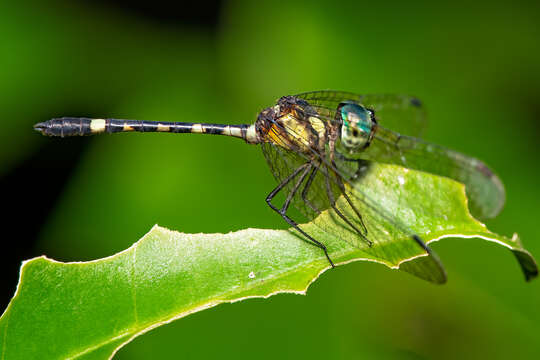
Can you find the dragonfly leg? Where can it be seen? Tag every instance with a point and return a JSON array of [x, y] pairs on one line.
[[330, 195], [307, 187], [283, 211], [339, 181], [291, 194]]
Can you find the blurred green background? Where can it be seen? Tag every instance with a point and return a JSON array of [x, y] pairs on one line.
[[476, 67]]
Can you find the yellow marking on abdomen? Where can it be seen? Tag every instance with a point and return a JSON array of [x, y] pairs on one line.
[[251, 135], [163, 128], [127, 128], [232, 131], [97, 125], [197, 129]]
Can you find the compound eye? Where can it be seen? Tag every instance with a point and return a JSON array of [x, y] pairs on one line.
[[357, 125]]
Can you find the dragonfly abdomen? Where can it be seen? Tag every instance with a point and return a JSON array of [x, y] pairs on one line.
[[71, 126]]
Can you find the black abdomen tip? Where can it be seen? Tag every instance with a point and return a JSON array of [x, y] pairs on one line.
[[66, 126]]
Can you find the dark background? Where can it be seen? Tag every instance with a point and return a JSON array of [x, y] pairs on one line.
[[476, 67]]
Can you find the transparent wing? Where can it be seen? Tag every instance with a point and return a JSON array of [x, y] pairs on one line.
[[484, 189], [383, 226], [400, 113], [282, 163]]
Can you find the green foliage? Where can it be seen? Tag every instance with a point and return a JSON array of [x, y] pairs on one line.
[[91, 309]]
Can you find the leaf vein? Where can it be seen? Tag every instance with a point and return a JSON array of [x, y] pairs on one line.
[[134, 286]]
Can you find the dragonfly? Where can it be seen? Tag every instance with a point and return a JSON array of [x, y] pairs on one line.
[[317, 144]]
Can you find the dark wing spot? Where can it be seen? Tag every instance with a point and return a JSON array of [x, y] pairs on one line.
[[484, 170], [416, 102]]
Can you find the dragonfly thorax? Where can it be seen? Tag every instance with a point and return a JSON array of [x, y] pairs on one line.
[[293, 125], [358, 126]]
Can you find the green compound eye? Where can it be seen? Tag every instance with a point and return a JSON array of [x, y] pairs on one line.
[[358, 124]]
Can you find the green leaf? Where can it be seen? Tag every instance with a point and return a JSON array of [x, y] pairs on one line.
[[89, 310]]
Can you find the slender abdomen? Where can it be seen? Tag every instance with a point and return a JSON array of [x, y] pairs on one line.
[[70, 126]]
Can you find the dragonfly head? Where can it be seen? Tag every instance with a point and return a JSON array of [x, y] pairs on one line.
[[358, 125]]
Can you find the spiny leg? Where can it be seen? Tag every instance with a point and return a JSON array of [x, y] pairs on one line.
[[332, 200], [291, 194], [339, 181], [307, 187], [306, 167]]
